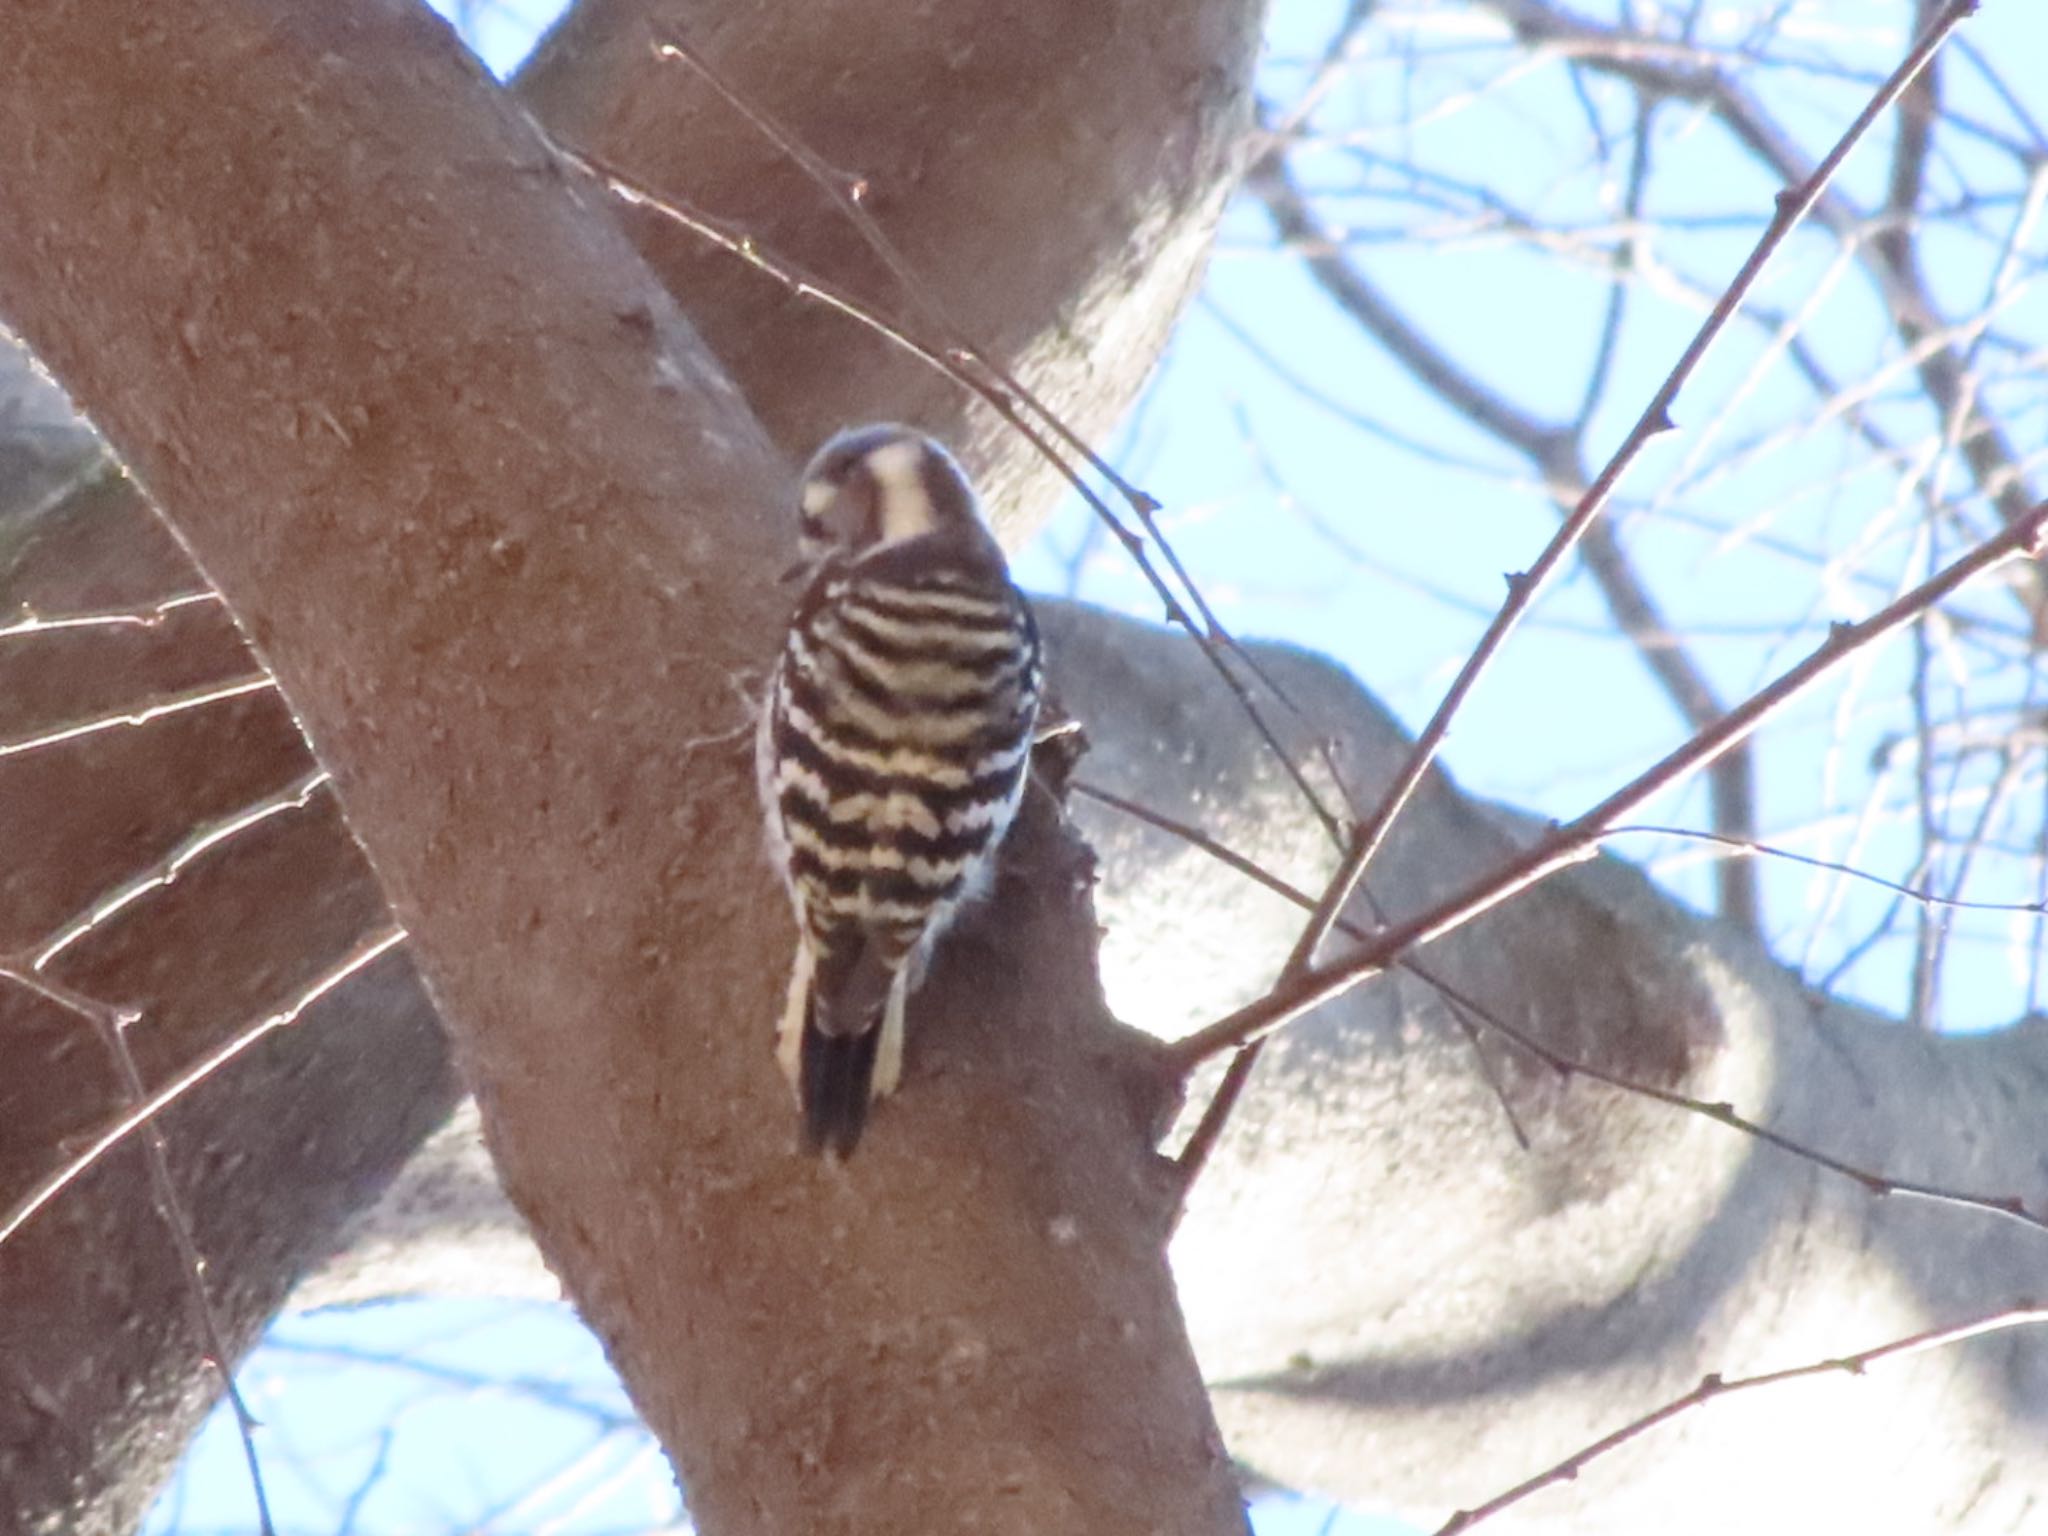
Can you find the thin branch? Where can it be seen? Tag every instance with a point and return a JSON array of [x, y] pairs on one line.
[[1920, 994], [1882, 1185], [122, 1126], [1743, 847], [2040, 926], [2012, 1207], [2012, 774], [1553, 451], [2020, 1315], [1792, 204], [1656, 66], [1579, 839], [803, 285], [848, 193], [1622, 261], [551, 1392], [195, 845], [170, 704], [373, 1476], [111, 1024], [1332, 67], [1324, 401], [1732, 780], [148, 616], [1201, 1142], [2004, 93]]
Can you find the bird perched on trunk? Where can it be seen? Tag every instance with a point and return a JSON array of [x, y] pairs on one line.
[[892, 752]]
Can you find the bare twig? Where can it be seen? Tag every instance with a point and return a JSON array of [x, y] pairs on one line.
[[1792, 204], [2020, 1315], [1555, 452], [1324, 401], [1201, 1142], [1744, 847], [2011, 1207], [2039, 935], [1675, 72], [111, 1024], [996, 384], [804, 285], [1578, 839], [158, 709], [551, 1391], [196, 844], [124, 1125], [1622, 263], [146, 616], [849, 194]]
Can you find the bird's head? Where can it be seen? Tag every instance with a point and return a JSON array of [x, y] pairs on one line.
[[874, 487]]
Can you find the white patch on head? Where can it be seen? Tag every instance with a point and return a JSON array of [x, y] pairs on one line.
[[818, 496], [896, 461], [905, 504]]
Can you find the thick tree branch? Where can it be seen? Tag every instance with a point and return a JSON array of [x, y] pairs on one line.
[[1400, 1305]]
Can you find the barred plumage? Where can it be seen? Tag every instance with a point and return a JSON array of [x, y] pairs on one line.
[[893, 751]]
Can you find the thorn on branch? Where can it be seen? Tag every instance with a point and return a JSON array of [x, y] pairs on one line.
[[2040, 538]]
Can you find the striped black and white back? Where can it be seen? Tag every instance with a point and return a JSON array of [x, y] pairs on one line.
[[893, 752]]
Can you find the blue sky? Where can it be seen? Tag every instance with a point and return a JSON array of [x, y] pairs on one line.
[[1305, 526]]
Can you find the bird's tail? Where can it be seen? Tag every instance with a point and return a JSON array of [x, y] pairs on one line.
[[842, 1043], [836, 1083]]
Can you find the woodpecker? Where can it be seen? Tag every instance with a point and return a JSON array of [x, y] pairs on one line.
[[892, 753]]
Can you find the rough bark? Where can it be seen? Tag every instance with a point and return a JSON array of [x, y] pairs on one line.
[[504, 532]]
